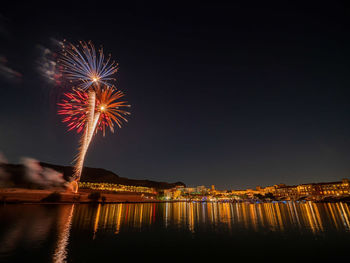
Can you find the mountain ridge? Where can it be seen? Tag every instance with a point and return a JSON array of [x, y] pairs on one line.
[[106, 176], [89, 174]]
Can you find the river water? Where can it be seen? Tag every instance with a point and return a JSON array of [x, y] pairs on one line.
[[184, 231]]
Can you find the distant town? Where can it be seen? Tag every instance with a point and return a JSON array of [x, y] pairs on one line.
[[325, 191], [35, 181]]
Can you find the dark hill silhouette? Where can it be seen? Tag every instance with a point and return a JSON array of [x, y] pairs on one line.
[[99, 175], [93, 175]]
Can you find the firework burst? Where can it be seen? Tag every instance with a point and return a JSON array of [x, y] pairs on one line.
[[85, 66], [95, 104], [112, 109], [107, 102]]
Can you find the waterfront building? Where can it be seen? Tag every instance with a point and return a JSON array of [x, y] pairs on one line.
[[173, 193], [201, 189], [286, 192], [116, 187], [189, 190], [269, 189], [339, 188], [314, 191]]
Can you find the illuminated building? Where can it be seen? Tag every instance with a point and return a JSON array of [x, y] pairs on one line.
[[313, 190], [201, 189], [116, 187], [286, 191], [189, 190], [172, 193], [339, 188]]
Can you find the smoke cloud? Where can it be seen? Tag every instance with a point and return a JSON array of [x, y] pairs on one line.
[[29, 173], [3, 175], [42, 176]]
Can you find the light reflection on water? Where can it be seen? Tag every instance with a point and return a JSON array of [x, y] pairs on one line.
[[52, 232], [273, 216]]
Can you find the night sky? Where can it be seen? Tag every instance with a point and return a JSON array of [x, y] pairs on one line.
[[236, 96]]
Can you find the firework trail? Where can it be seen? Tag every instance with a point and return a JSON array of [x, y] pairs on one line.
[[86, 139]]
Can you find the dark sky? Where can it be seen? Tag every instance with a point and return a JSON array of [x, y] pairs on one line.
[[236, 96]]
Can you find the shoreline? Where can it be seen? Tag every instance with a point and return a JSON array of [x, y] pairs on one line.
[[38, 196], [21, 195]]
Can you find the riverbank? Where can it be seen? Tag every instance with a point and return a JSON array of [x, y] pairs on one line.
[[20, 195]]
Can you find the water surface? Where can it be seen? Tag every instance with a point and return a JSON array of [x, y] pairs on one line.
[[178, 231]]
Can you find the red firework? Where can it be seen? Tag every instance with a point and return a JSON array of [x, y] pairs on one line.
[[75, 107]]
